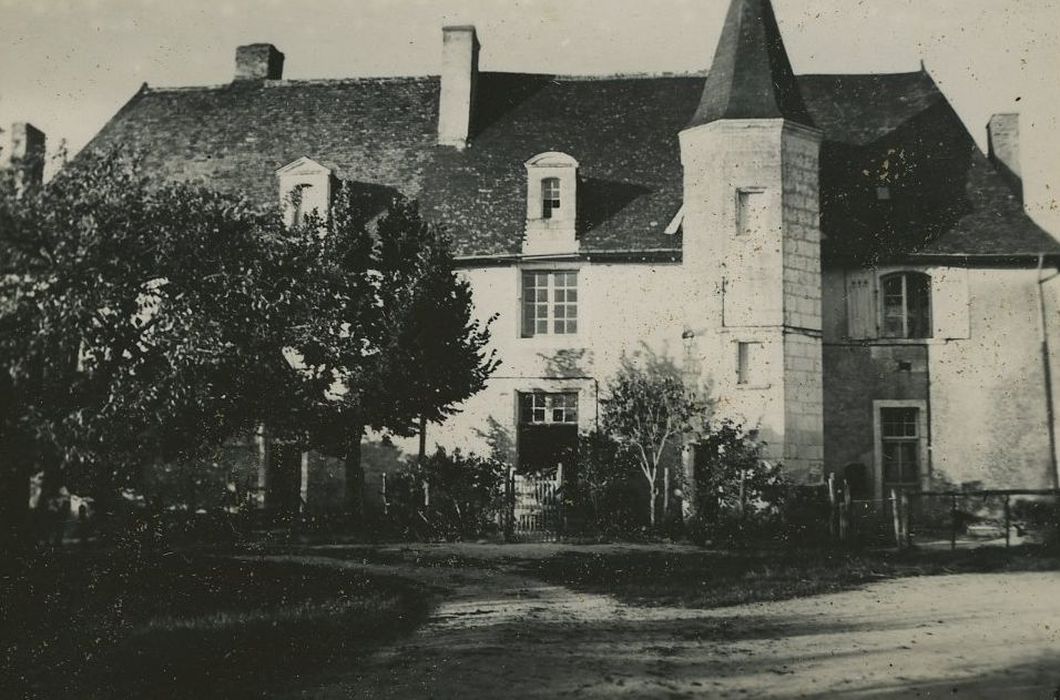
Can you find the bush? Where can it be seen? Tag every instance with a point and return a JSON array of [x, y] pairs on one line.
[[738, 494], [607, 491], [464, 495]]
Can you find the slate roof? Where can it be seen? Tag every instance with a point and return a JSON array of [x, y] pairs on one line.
[[381, 134], [751, 76]]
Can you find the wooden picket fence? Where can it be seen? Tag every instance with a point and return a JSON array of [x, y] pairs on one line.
[[536, 507]]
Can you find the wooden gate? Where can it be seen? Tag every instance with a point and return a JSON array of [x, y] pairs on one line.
[[537, 507]]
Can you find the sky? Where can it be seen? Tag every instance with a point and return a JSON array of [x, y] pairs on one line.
[[68, 65]]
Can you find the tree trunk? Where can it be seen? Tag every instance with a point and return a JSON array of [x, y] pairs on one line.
[[654, 495], [423, 439], [666, 494], [688, 490], [14, 507], [355, 477]]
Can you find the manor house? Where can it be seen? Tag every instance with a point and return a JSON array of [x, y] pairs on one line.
[[831, 257]]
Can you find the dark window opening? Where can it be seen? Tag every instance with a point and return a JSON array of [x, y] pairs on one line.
[[900, 438], [549, 196], [548, 432], [906, 300]]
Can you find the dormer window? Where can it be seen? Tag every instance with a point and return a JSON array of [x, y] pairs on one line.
[[551, 204], [305, 188], [300, 197], [550, 197]]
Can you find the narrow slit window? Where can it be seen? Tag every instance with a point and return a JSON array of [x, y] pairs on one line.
[[745, 359], [750, 212]]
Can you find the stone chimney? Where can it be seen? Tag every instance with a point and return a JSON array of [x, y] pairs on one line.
[[1003, 139], [22, 148], [258, 62], [460, 50]]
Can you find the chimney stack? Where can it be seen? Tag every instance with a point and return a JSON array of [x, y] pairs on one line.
[[460, 50], [258, 62], [22, 149], [1003, 139]]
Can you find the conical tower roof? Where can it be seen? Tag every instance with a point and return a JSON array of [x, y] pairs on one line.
[[751, 77]]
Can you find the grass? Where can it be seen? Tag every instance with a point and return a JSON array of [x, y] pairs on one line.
[[712, 579], [87, 625]]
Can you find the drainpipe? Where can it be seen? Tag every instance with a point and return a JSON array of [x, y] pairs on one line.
[[1047, 369]]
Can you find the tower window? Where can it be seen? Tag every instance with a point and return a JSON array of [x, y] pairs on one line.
[[549, 196], [746, 371], [750, 212]]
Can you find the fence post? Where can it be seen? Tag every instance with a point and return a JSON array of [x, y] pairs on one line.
[[848, 502], [832, 506], [557, 498], [386, 506], [844, 513], [896, 516], [953, 522], [907, 536], [1008, 521]]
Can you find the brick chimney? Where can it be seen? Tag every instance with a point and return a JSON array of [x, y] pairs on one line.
[[460, 50], [1003, 139], [22, 148], [258, 62]]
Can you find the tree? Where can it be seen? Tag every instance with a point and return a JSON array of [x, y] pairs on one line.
[[137, 320], [737, 489], [384, 328], [648, 409]]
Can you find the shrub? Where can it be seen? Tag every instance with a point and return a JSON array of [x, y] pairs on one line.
[[738, 493], [607, 493], [463, 497]]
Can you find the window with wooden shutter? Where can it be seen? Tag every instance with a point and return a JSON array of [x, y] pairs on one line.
[[905, 310], [861, 307]]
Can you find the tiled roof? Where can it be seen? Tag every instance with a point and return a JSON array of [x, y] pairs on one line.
[[381, 134]]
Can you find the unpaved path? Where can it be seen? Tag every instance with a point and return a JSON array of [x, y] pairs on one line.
[[500, 634]]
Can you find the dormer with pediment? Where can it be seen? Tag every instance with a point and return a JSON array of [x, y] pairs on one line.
[[305, 187], [551, 204]]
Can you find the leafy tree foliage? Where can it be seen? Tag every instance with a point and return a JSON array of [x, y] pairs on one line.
[[383, 330], [146, 321], [134, 323], [649, 411], [737, 490]]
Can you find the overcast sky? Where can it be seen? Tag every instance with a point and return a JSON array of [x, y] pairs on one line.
[[68, 65]]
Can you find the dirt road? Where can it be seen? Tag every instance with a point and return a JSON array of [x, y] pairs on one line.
[[500, 634]]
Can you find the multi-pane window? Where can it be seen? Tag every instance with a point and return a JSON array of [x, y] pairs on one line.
[[900, 437], [906, 311], [548, 408], [550, 303], [549, 196]]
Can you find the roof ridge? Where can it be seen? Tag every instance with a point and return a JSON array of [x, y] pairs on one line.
[[294, 82], [862, 75]]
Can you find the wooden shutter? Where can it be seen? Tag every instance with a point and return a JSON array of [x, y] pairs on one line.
[[861, 304], [949, 303]]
